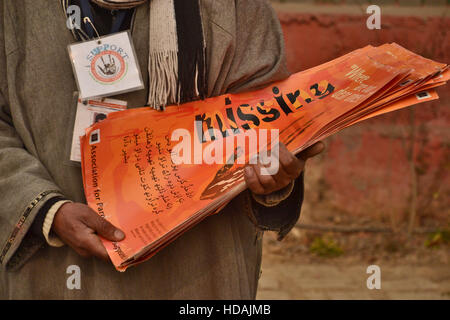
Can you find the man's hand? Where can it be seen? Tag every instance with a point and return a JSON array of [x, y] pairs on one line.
[[78, 225], [290, 168]]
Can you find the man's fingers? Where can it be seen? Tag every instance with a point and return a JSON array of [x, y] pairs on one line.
[[283, 178], [103, 227], [312, 151], [290, 164], [266, 183], [252, 181], [95, 247], [290, 168], [287, 171]]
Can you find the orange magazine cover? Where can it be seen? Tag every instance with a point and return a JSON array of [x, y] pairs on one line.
[[132, 180]]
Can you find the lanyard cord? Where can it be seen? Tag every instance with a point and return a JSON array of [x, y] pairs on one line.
[[87, 12], [88, 20], [76, 30]]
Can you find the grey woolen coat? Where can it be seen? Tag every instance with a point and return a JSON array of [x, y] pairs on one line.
[[220, 257]]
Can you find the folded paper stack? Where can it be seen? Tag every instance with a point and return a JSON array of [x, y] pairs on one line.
[[156, 174]]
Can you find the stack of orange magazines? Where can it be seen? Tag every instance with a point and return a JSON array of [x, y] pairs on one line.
[[132, 180]]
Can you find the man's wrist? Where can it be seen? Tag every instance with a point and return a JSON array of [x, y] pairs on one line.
[[50, 236], [274, 198]]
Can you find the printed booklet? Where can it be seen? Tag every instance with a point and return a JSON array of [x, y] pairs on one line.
[[156, 174]]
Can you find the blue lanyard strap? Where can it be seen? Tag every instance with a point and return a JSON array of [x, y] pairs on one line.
[[118, 21], [87, 12]]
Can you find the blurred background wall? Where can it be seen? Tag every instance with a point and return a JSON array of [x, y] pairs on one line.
[[380, 194], [392, 169]]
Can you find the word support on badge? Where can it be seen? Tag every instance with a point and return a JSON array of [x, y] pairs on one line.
[[106, 66]]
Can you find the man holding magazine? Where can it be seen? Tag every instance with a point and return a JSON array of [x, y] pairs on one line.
[[210, 47]]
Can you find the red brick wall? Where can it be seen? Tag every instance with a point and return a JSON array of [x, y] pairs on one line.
[[366, 170]]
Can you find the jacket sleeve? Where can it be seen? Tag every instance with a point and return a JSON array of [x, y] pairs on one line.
[[25, 184], [255, 56], [254, 59], [283, 216]]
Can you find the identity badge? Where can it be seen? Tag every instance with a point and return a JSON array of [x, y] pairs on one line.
[[105, 66], [88, 113]]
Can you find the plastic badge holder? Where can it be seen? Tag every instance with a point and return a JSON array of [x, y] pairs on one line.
[[106, 66]]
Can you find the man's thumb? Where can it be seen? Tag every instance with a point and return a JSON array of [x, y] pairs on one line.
[[105, 229], [311, 151]]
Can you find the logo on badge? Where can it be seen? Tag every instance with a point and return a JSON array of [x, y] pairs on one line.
[[108, 67]]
